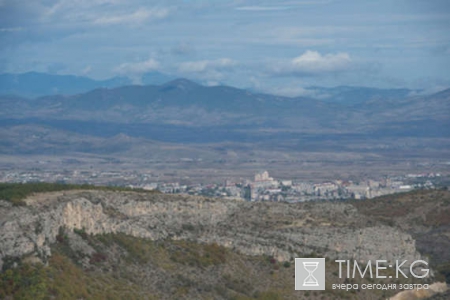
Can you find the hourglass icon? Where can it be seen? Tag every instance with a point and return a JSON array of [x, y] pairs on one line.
[[310, 274], [310, 280]]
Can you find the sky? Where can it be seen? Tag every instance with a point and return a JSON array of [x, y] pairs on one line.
[[279, 47]]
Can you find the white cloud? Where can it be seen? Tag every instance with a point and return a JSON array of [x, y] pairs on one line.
[[86, 70], [206, 65], [209, 70], [282, 5], [289, 91], [71, 8], [101, 12], [262, 8], [137, 68], [182, 49], [212, 83], [312, 63], [293, 90], [139, 16]]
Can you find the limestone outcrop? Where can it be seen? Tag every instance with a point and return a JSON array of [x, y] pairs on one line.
[[283, 230]]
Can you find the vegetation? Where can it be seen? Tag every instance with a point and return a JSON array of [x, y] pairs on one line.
[[391, 207], [17, 192], [198, 255], [424, 214], [26, 282], [124, 267], [62, 279]]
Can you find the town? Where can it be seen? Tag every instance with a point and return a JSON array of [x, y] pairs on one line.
[[262, 187]]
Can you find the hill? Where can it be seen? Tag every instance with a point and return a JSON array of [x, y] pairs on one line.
[[191, 116], [184, 103], [35, 84], [353, 95], [153, 246], [423, 214]]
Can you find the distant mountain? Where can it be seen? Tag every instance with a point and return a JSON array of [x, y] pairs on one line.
[[180, 102], [34, 84], [350, 95], [182, 111], [155, 78], [184, 102]]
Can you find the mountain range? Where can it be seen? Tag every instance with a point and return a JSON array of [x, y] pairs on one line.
[[35, 84], [182, 111]]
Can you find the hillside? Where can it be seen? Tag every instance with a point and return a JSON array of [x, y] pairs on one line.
[[35, 84], [134, 121], [183, 102], [153, 246], [423, 214]]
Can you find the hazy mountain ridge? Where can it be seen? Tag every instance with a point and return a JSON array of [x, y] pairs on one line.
[[187, 103], [353, 95], [35, 84], [182, 111]]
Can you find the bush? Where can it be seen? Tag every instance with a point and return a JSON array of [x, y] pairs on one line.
[[97, 258], [81, 232], [24, 282]]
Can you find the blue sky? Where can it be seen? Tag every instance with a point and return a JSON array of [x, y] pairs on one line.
[[271, 46]]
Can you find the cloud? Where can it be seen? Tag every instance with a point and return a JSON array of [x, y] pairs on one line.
[[101, 12], [210, 70], [11, 29], [86, 70], [314, 63], [137, 68], [289, 91], [282, 5], [139, 16], [294, 90], [57, 67], [182, 49], [262, 8], [76, 10], [205, 65]]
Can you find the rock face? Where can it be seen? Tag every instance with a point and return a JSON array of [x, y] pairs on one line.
[[283, 230]]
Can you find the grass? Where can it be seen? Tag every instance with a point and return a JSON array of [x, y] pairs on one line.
[[17, 192]]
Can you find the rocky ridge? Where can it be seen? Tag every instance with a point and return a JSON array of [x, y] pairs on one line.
[[282, 230]]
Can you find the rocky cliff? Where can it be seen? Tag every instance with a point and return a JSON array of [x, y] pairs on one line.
[[282, 230]]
